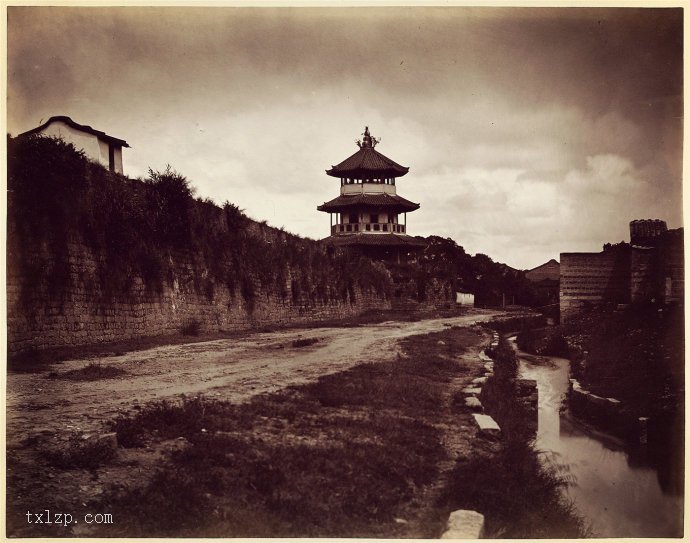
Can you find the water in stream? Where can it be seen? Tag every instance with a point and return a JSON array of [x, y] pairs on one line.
[[616, 498]]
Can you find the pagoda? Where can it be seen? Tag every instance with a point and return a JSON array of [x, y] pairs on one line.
[[368, 210]]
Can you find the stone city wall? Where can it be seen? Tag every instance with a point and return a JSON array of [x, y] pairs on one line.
[[593, 279], [83, 314]]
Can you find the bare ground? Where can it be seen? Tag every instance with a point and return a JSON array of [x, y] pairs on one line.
[[232, 369], [44, 410]]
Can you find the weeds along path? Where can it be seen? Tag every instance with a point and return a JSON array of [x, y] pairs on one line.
[[229, 369]]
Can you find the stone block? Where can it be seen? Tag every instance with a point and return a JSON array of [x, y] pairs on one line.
[[474, 403], [464, 524], [472, 390], [487, 425], [479, 380], [598, 400]]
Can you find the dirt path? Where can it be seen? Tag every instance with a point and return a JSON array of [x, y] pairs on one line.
[[230, 369]]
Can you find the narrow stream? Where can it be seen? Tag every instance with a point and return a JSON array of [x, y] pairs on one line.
[[616, 498]]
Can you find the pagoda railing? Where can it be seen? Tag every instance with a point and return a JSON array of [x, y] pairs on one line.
[[379, 227]]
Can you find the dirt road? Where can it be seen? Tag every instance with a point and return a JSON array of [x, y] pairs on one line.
[[231, 369]]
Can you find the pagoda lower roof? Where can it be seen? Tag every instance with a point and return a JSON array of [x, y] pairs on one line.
[[378, 240], [389, 201], [367, 163]]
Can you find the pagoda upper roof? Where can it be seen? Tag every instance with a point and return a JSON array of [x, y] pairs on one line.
[[367, 163], [390, 201]]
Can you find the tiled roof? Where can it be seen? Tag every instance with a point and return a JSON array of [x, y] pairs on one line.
[[388, 240], [367, 163], [545, 264], [397, 203], [77, 126]]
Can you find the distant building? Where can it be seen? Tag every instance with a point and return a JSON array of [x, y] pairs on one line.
[[368, 211], [546, 281], [649, 269], [464, 298], [97, 145], [549, 270]]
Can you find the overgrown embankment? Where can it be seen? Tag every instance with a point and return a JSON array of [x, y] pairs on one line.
[[635, 356], [638, 357]]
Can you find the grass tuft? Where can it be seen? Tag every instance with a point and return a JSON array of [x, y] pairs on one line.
[[92, 372], [167, 419], [306, 342], [519, 496], [80, 454]]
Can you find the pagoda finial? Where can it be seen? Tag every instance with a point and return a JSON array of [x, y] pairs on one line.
[[369, 141]]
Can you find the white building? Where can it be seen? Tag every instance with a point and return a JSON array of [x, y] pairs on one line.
[[97, 145], [464, 298]]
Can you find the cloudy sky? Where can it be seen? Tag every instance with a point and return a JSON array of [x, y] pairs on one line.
[[528, 132]]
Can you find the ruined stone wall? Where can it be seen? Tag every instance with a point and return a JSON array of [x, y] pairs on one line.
[[657, 272], [651, 269], [672, 257], [646, 231], [84, 314], [643, 274], [593, 279]]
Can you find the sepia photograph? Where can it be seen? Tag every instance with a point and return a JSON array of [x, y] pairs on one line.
[[344, 271]]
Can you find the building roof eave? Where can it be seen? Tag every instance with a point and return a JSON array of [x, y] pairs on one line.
[[367, 163], [81, 127], [379, 240], [390, 201]]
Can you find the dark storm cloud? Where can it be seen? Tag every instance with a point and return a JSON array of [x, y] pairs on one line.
[[528, 108]]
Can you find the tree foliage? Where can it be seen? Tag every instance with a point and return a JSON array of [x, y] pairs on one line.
[[490, 281]]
